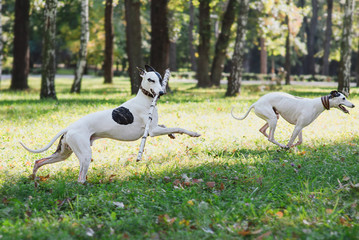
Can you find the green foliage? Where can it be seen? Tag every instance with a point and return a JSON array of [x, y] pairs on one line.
[[230, 183]]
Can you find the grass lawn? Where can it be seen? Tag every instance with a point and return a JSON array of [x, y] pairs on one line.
[[229, 183]]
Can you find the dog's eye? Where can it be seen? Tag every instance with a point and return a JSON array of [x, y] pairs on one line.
[[150, 80]]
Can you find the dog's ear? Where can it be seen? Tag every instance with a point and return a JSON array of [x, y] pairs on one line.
[[141, 71], [334, 94], [149, 68]]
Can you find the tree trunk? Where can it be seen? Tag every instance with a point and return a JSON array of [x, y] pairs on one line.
[[287, 53], [345, 47], [328, 36], [190, 38], [173, 56], [311, 30], [48, 51], [81, 62], [109, 35], [263, 55], [235, 78], [160, 42], [357, 68], [133, 42], [1, 44], [204, 44], [20, 68], [222, 43]]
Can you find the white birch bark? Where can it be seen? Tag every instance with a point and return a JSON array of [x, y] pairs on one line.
[[48, 51], [81, 63], [235, 78], [345, 49], [1, 44]]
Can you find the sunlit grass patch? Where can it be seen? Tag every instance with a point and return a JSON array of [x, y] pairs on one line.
[[229, 183]]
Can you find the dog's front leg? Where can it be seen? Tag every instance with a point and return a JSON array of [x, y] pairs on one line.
[[158, 131], [297, 131], [169, 135]]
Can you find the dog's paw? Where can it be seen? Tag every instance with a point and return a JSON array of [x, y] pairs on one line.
[[194, 134]]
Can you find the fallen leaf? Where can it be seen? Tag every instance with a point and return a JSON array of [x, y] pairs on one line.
[[184, 222], [190, 202], [110, 179], [167, 179], [5, 201], [329, 211], [44, 178], [68, 200], [279, 214], [222, 187], [177, 182], [90, 232], [119, 204], [244, 233], [197, 180], [165, 219], [210, 184], [264, 235], [346, 178], [207, 230]]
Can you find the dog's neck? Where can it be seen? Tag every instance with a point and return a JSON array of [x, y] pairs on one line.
[[325, 102], [147, 93]]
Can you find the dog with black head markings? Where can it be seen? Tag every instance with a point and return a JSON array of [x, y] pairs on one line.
[[297, 111], [124, 123]]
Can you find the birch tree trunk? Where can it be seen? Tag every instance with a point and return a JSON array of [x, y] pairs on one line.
[[328, 36], [48, 51], [1, 44], [109, 35], [81, 63], [263, 55], [287, 52], [204, 44], [133, 42], [345, 47], [235, 78], [222, 43], [21, 51], [190, 37]]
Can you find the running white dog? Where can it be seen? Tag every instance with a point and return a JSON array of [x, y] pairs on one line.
[[298, 111], [125, 123]]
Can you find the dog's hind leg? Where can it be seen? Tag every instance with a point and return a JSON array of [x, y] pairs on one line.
[[264, 129], [81, 146], [272, 126], [63, 151]]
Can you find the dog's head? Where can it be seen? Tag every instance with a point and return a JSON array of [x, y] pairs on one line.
[[151, 80], [339, 100]]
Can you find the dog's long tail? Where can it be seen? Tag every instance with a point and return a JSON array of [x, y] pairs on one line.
[[245, 115], [48, 145]]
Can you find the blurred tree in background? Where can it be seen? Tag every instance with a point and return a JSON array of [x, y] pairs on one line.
[[175, 36]]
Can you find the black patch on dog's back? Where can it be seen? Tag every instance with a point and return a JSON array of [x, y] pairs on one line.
[[122, 116]]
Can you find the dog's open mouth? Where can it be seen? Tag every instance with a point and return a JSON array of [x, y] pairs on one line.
[[153, 93], [343, 108]]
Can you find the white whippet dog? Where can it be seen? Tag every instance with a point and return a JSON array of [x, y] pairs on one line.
[[298, 111], [124, 123]]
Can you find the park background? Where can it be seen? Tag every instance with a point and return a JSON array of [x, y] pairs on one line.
[[231, 182]]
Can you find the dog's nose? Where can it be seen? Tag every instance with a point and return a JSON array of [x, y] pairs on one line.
[[353, 106], [161, 93]]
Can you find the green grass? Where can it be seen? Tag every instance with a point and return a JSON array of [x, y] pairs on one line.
[[229, 183]]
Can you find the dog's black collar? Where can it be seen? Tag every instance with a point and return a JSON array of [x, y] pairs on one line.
[[325, 102], [147, 93]]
